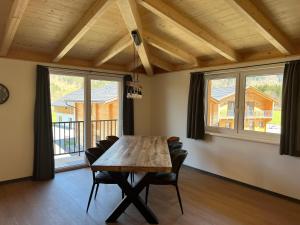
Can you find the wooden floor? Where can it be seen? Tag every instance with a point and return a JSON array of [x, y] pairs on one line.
[[206, 200]]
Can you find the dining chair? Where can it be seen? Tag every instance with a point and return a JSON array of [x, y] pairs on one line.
[[102, 177], [173, 138], [177, 157], [106, 144], [112, 138], [174, 145]]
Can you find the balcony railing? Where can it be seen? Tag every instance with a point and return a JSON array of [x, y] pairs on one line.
[[259, 114], [69, 137], [249, 114]]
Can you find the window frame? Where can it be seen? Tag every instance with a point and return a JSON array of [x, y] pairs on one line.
[[240, 101]]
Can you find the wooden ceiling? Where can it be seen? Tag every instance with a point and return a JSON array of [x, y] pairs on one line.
[[177, 34]]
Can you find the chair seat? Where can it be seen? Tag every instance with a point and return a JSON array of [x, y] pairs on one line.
[[162, 178], [105, 177]]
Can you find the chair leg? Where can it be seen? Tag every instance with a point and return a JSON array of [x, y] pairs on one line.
[[90, 198], [131, 178], [96, 191], [179, 198], [147, 192]]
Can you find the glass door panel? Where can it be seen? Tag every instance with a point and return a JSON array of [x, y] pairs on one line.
[[68, 124], [105, 105]]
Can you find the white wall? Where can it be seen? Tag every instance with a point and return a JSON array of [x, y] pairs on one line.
[[253, 163], [16, 118]]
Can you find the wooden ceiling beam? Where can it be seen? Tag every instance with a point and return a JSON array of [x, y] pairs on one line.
[[67, 61], [130, 14], [15, 15], [263, 24], [165, 11], [167, 47], [154, 61], [82, 27], [162, 64], [115, 49]]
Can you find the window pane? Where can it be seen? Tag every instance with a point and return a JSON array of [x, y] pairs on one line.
[[104, 110], [67, 107], [221, 103], [263, 103]]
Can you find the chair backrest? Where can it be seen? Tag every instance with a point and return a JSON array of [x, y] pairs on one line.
[[175, 145], [106, 144], [92, 154], [112, 138], [178, 157], [173, 138]]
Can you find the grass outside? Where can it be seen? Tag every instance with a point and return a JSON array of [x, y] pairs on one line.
[[276, 119]]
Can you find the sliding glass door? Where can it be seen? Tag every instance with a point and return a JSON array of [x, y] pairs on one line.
[[85, 109]]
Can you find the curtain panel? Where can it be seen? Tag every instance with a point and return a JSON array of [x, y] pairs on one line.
[[128, 109], [195, 117], [43, 168], [290, 117]]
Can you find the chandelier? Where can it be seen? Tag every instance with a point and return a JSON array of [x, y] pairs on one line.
[[134, 88]]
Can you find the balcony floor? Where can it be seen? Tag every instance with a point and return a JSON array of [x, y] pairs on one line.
[[69, 160]]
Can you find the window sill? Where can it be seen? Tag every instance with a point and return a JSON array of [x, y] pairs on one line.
[[244, 137]]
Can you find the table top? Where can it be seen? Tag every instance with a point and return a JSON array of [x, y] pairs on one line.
[[136, 154]]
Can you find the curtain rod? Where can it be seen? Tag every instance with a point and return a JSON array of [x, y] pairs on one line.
[[89, 71]]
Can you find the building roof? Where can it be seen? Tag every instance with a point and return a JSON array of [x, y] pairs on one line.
[[220, 93], [103, 94]]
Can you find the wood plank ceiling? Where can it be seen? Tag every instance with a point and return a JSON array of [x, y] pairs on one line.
[[176, 34]]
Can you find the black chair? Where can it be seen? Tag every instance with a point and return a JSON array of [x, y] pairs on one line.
[[106, 144], [103, 177], [177, 157], [174, 145], [172, 139], [112, 138]]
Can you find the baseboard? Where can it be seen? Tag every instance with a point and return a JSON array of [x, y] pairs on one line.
[[246, 185], [16, 180]]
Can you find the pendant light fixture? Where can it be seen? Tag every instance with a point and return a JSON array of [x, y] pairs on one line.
[[134, 88]]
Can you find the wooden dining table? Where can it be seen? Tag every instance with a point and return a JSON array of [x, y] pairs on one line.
[[135, 154]]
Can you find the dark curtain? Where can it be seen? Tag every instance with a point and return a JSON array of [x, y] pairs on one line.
[[43, 168], [290, 117], [128, 109], [195, 117]]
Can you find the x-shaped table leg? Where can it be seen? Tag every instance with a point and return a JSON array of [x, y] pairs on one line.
[[132, 196]]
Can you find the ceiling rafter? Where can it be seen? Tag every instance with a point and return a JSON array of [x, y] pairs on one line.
[[263, 24], [112, 51], [167, 47], [130, 14], [69, 61], [82, 27], [165, 11], [161, 63], [15, 15]]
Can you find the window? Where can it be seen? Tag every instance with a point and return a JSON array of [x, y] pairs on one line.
[[246, 103]]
